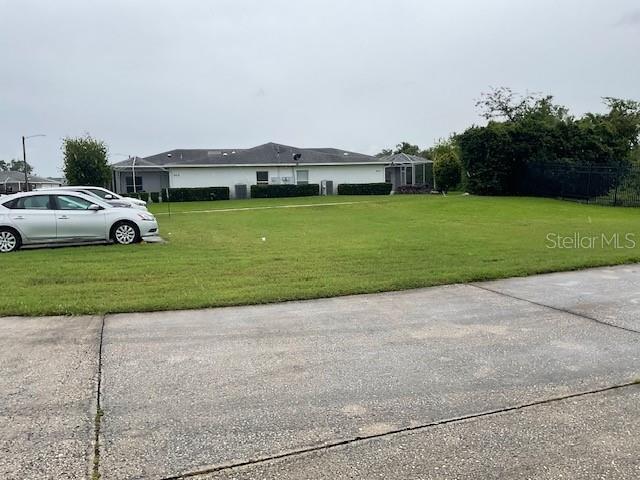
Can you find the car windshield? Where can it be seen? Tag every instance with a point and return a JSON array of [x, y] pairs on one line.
[[102, 193]]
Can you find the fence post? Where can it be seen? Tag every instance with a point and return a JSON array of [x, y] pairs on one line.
[[589, 183], [615, 193]]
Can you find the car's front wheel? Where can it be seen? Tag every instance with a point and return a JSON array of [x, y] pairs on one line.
[[9, 240], [125, 233]]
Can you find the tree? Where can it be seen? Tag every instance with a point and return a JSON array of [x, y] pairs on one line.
[[446, 171], [532, 130], [14, 166], [409, 149], [502, 103], [386, 152], [18, 166], [85, 161]]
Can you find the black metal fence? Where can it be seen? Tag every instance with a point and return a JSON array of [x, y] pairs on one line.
[[599, 184]]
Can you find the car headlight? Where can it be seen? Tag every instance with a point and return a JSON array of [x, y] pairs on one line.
[[147, 217]]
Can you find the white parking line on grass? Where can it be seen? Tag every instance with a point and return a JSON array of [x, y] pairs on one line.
[[265, 208]]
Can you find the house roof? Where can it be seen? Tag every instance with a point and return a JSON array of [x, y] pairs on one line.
[[18, 177], [400, 158], [267, 154]]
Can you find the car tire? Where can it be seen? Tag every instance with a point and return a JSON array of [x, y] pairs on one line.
[[125, 233], [10, 240]]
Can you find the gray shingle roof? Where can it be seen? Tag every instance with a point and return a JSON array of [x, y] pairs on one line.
[[269, 153], [15, 177]]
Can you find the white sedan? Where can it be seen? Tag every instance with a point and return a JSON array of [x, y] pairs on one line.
[[107, 195], [64, 216]]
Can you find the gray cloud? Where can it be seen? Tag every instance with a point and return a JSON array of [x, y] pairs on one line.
[[153, 75], [630, 19]]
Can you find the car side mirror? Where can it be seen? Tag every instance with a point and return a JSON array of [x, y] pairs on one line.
[[108, 196], [95, 207]]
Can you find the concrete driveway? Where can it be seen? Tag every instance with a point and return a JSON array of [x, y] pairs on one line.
[[520, 378]]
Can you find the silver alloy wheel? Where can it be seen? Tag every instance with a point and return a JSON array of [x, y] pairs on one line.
[[8, 241], [125, 234]]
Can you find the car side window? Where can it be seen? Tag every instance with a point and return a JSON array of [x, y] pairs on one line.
[[36, 202], [68, 202]]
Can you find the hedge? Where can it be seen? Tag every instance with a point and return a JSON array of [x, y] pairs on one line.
[[155, 197], [196, 194], [144, 196], [131, 195], [364, 188], [278, 191]]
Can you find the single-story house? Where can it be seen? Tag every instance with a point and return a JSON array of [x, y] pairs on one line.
[[12, 182], [270, 163]]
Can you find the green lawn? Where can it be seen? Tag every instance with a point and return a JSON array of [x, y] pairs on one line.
[[377, 244]]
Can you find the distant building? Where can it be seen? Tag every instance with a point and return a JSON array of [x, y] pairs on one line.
[[12, 182], [270, 163]]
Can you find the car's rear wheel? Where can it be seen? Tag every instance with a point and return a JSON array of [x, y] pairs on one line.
[[9, 240], [125, 233]]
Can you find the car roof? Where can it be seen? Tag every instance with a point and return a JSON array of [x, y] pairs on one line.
[[53, 191], [73, 187]]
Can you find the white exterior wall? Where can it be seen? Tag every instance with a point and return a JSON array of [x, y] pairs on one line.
[[190, 177]]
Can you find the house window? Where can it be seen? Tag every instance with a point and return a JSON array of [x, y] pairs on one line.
[[130, 188], [302, 176], [409, 176], [262, 177]]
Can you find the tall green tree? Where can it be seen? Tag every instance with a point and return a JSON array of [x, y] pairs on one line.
[[14, 166], [85, 161], [447, 169], [408, 148], [18, 166], [532, 129], [403, 147]]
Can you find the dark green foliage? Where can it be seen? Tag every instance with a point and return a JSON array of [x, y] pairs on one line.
[[144, 196], [364, 189], [197, 194], [447, 168], [85, 161], [131, 195], [403, 147], [488, 158], [15, 166], [278, 191], [447, 172], [534, 130], [155, 197]]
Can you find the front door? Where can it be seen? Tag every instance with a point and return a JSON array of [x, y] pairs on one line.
[[76, 221]]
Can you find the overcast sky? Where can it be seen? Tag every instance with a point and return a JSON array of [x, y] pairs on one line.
[[149, 76]]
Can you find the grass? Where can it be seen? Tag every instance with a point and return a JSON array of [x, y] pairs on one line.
[[383, 243]]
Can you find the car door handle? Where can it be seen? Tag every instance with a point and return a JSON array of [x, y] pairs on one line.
[[63, 217], [18, 217]]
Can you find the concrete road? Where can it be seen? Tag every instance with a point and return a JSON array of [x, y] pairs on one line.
[[48, 375], [594, 436], [520, 378], [185, 392]]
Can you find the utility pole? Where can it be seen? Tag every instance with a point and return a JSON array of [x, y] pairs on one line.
[[24, 157]]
